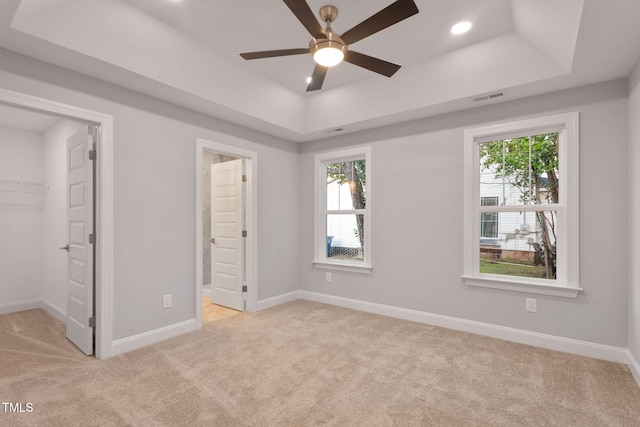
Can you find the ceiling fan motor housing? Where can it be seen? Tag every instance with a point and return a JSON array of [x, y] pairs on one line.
[[332, 41]]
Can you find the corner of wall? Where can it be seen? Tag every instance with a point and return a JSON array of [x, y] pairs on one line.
[[633, 322]]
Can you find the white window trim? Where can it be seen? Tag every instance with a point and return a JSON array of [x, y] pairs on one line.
[[321, 260], [567, 283]]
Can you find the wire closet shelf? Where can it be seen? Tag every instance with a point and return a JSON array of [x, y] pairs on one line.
[[22, 194]]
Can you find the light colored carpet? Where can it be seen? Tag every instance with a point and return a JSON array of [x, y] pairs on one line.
[[305, 363]]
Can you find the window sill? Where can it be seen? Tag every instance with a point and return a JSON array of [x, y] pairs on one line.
[[343, 266], [531, 288]]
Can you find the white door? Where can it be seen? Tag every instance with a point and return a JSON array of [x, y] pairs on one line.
[[227, 243], [79, 229]]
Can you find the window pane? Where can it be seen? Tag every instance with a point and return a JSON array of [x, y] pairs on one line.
[[489, 220], [520, 171], [346, 185], [525, 244], [345, 237]]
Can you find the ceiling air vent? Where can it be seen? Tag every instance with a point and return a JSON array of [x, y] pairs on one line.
[[490, 96]]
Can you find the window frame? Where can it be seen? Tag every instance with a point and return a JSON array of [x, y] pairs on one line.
[[567, 282], [321, 260]]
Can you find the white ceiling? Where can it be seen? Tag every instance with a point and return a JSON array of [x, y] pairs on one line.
[[186, 52], [269, 25]]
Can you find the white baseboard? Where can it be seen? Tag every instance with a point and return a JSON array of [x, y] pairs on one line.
[[12, 307], [634, 366], [54, 310], [144, 339], [566, 345], [263, 304], [206, 291]]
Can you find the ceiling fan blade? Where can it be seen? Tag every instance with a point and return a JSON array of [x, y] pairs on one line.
[[392, 14], [370, 63], [273, 53], [303, 12], [317, 78]]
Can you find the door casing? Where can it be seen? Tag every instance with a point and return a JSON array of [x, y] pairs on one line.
[[104, 204]]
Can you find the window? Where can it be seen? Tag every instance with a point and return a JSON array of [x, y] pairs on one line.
[[521, 206], [343, 205]]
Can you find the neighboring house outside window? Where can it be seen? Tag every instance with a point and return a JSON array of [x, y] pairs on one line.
[[521, 206], [489, 220], [343, 205]]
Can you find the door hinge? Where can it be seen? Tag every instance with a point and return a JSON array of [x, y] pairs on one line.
[[92, 154], [92, 238], [92, 321], [244, 233], [244, 298], [244, 178]]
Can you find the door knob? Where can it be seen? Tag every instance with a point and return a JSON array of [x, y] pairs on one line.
[[212, 240], [65, 248]]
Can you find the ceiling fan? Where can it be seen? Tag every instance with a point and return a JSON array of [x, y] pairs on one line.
[[329, 48]]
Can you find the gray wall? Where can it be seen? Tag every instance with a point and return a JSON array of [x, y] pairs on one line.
[[418, 215], [634, 213], [154, 194]]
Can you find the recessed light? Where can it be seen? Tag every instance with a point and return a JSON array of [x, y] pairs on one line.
[[308, 80], [461, 27]]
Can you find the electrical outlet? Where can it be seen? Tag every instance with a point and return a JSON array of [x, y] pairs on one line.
[[167, 301], [531, 305], [327, 276]]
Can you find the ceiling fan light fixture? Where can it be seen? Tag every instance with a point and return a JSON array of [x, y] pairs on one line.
[[328, 56], [328, 52]]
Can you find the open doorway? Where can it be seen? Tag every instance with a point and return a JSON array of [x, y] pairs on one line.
[[225, 230], [224, 192], [47, 219], [93, 190]]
